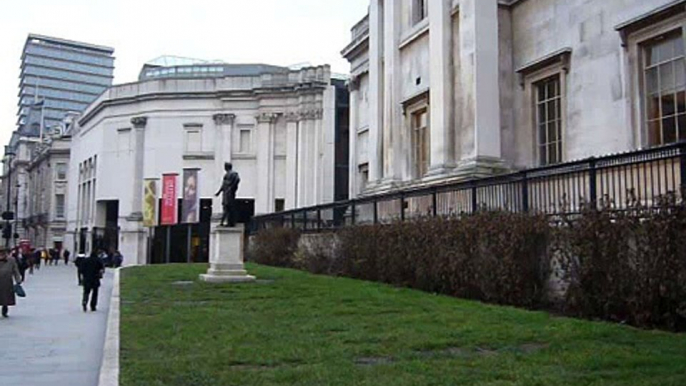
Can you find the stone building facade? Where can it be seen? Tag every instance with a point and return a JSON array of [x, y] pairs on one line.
[[454, 89], [46, 200], [276, 125]]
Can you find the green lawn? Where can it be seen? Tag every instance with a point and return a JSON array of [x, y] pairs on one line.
[[292, 328]]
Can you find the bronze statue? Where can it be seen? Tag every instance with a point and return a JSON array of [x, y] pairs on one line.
[[229, 188]]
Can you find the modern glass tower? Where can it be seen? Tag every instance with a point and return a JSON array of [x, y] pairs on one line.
[[59, 76]]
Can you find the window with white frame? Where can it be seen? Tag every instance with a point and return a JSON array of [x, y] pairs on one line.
[[548, 114], [420, 11], [193, 138], [59, 205], [664, 77], [421, 147], [61, 171]]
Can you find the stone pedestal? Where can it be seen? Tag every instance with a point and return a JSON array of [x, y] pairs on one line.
[[226, 257]]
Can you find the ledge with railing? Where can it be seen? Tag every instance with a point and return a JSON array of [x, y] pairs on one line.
[[617, 182]]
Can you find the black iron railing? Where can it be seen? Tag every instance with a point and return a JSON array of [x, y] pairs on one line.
[[618, 182]]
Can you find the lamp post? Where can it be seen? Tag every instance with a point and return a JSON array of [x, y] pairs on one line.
[[7, 233]]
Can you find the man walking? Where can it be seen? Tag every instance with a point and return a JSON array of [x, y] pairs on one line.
[[91, 270]]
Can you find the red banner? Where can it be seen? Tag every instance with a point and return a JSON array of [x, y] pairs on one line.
[[169, 201]]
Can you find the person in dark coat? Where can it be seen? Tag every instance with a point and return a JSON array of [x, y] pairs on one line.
[[77, 262], [8, 270], [91, 270], [66, 254]]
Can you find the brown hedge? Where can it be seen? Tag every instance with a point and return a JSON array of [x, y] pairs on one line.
[[620, 266]]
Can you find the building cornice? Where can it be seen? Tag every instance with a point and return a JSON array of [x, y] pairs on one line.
[[650, 18], [255, 93]]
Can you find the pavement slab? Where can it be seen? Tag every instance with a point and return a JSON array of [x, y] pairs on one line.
[[48, 339]]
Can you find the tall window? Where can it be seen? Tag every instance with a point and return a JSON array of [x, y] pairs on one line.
[[420, 142], [665, 89], [59, 205], [61, 171], [549, 120], [419, 11]]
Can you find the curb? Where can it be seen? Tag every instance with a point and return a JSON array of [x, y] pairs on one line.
[[109, 369]]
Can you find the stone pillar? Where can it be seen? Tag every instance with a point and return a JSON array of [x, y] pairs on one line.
[[479, 62], [307, 168], [441, 94], [354, 87], [222, 149], [292, 159], [264, 198], [224, 124], [133, 235], [376, 93], [139, 124], [392, 113], [319, 158]]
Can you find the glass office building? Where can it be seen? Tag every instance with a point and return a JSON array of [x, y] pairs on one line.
[[64, 75]]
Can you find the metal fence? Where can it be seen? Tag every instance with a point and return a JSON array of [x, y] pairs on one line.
[[617, 182]]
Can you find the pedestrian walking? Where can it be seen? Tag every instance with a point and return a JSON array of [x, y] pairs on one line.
[[80, 257], [66, 254], [36, 258], [23, 263], [9, 274], [91, 270]]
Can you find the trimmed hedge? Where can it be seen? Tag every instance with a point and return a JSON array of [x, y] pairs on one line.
[[619, 266]]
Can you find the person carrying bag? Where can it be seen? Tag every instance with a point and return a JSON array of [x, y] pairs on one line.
[[9, 275]]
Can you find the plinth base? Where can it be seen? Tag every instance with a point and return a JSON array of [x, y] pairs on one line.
[[226, 258], [238, 278]]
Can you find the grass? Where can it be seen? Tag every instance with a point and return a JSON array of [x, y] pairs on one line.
[[293, 328]]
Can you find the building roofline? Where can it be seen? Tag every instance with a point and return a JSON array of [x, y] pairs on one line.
[[73, 43]]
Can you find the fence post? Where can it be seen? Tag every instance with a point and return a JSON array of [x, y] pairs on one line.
[[434, 199], [319, 219], [592, 185], [293, 221], [682, 167], [376, 212], [525, 192], [474, 201], [304, 220]]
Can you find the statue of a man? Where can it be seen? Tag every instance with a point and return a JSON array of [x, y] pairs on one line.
[[229, 188]]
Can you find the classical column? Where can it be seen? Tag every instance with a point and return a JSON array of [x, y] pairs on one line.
[[139, 124], [292, 158], [319, 159], [376, 93], [392, 112], [354, 88], [133, 235], [441, 94], [480, 76], [306, 168], [224, 124], [264, 200]]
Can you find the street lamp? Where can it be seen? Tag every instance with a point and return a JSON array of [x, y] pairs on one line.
[[7, 215]]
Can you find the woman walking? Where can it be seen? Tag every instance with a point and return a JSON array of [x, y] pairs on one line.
[[8, 271]]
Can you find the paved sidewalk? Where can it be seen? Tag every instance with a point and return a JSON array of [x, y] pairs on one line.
[[48, 339]]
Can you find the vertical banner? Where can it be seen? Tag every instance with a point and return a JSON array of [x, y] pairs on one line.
[[150, 202], [190, 209], [169, 211]]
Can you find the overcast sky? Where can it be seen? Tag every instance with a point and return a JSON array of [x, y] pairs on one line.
[[280, 32]]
